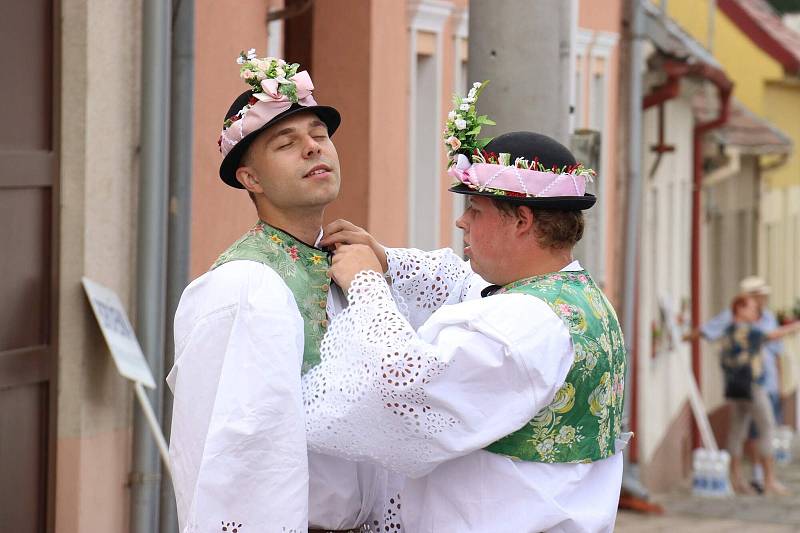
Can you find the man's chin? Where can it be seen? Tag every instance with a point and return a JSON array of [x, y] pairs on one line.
[[319, 198]]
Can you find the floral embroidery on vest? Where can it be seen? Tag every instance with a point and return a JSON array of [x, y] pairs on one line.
[[583, 421], [303, 268]]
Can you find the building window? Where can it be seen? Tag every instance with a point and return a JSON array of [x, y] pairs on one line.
[[426, 23], [275, 39]]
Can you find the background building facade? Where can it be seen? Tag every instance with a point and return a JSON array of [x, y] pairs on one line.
[[71, 177]]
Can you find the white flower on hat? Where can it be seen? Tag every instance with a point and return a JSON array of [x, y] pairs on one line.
[[251, 54], [469, 100], [464, 107], [462, 162], [461, 124], [451, 115], [246, 74], [239, 60], [476, 85]]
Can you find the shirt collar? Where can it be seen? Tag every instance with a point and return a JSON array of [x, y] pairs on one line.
[[575, 266], [572, 267]]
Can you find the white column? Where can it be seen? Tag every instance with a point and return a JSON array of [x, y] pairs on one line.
[[426, 21]]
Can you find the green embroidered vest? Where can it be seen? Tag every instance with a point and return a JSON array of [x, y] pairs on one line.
[[583, 421], [303, 268]]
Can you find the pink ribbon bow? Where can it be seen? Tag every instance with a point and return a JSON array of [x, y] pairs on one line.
[[271, 103]]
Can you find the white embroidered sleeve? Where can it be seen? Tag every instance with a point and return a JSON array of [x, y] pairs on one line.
[[424, 281], [238, 447], [474, 373]]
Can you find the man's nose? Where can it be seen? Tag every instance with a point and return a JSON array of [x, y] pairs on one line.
[[460, 223], [311, 148]]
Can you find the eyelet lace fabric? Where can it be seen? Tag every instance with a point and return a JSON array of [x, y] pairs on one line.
[[366, 400], [389, 520], [425, 281], [385, 516]]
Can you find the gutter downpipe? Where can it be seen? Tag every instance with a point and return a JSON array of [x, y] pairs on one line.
[[630, 477], [181, 140], [724, 89], [151, 253], [670, 89]]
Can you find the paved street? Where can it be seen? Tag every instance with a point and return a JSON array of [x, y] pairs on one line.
[[684, 512]]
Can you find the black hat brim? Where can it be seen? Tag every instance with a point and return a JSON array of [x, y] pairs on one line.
[[565, 203], [227, 169]]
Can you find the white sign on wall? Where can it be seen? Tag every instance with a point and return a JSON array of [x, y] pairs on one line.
[[119, 334], [127, 354]]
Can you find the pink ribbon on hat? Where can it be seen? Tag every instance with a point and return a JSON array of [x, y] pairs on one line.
[[270, 104], [534, 183]]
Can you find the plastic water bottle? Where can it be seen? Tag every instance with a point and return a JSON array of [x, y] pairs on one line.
[[710, 473], [700, 472], [720, 484], [716, 482]]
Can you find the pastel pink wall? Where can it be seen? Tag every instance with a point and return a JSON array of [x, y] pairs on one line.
[[605, 15], [341, 70], [219, 213], [388, 138], [360, 66], [92, 473]]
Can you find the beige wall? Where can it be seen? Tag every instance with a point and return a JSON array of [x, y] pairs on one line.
[[99, 104], [729, 244], [664, 271], [778, 257]]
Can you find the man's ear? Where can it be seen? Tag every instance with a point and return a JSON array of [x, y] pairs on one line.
[[249, 180], [525, 220]]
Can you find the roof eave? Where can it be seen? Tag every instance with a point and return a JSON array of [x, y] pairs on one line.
[[760, 36]]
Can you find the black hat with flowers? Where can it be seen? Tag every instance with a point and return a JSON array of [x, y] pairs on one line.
[[522, 167], [277, 91]]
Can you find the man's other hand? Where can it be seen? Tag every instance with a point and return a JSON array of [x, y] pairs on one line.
[[349, 260], [341, 232]]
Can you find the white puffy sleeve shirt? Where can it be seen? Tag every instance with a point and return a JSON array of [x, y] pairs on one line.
[[410, 400], [238, 446], [425, 402]]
